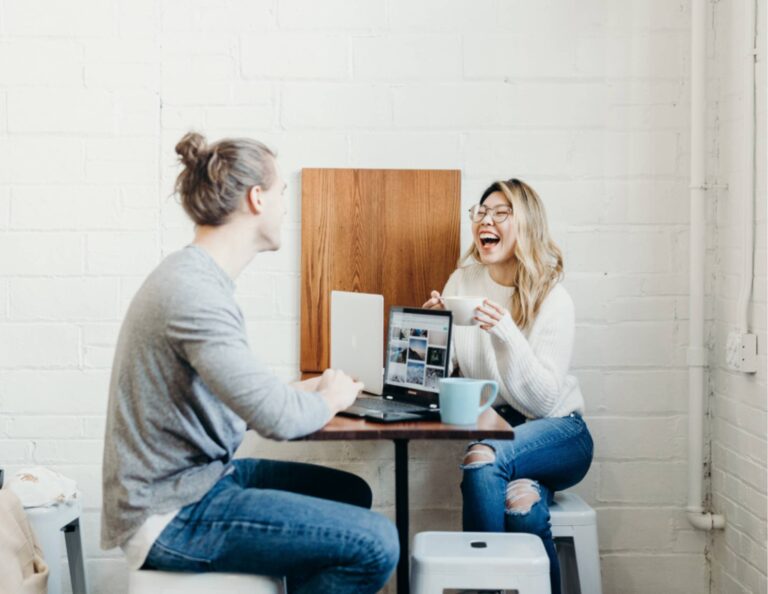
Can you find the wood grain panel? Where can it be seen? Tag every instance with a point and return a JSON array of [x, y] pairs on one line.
[[391, 232], [315, 268]]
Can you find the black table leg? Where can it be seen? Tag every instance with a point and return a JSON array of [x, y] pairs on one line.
[[401, 513]]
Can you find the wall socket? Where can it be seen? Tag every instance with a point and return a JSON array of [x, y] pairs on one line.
[[741, 352]]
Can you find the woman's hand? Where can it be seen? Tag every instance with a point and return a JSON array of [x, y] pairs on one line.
[[435, 302], [489, 314]]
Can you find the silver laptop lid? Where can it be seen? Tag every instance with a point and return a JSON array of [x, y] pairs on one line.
[[357, 337]]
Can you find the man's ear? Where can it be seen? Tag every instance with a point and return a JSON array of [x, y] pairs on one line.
[[254, 201]]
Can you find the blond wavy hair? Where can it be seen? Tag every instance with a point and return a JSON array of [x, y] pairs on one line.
[[539, 261]]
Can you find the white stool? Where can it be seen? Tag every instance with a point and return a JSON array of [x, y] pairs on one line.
[[48, 523], [572, 518], [170, 582], [479, 560]]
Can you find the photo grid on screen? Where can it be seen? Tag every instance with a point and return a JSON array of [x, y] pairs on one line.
[[417, 355]]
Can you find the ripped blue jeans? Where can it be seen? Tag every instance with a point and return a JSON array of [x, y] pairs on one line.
[[510, 487]]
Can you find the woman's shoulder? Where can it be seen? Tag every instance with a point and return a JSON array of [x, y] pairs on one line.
[[558, 300], [559, 293], [469, 272]]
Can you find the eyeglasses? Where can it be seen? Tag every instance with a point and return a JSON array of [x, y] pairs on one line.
[[499, 213]]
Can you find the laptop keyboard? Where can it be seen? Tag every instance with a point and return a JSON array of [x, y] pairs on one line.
[[383, 405]]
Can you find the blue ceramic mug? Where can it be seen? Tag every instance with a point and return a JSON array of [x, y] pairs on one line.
[[460, 399]]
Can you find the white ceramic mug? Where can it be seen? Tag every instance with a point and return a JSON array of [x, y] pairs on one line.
[[463, 309]]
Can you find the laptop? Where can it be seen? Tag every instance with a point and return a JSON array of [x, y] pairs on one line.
[[418, 356], [357, 337]]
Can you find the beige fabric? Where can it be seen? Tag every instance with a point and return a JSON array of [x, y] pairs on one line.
[[22, 568], [38, 486]]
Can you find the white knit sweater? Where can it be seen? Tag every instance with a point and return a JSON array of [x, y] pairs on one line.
[[532, 367]]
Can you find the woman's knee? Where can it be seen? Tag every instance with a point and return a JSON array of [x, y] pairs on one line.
[[477, 456], [525, 511], [479, 471]]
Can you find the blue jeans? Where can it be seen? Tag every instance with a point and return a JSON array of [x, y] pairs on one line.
[[308, 523], [554, 453]]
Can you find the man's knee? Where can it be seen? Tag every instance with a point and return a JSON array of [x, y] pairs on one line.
[[478, 455], [393, 545], [386, 553], [390, 550]]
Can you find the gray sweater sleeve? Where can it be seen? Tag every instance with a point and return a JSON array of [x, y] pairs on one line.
[[212, 340]]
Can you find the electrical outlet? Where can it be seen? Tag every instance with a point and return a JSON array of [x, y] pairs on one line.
[[733, 350], [741, 352]]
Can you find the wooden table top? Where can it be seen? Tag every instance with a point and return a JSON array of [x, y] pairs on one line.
[[489, 426]]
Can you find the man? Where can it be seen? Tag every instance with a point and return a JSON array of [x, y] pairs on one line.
[[185, 386]]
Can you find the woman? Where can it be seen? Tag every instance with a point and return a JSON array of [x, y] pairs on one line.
[[524, 341], [185, 386]]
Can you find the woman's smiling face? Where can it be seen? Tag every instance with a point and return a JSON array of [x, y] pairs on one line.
[[495, 241]]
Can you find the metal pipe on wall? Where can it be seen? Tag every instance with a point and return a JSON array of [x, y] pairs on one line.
[[747, 71], [697, 354]]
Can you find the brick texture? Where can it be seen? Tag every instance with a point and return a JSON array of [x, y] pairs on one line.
[[587, 101], [737, 401]]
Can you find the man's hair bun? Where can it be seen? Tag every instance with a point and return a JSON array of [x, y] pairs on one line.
[[192, 149], [217, 177]]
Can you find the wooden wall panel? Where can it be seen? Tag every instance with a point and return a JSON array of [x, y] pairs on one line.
[[391, 232]]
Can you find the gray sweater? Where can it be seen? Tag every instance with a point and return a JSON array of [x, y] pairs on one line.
[[184, 388]]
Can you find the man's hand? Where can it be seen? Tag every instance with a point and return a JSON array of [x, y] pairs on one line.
[[338, 389], [308, 385]]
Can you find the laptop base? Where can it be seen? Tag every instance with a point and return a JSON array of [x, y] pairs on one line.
[[380, 416]]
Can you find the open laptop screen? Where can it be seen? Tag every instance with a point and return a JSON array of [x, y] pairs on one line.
[[418, 348]]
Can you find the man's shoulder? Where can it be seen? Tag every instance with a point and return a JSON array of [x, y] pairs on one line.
[[182, 283]]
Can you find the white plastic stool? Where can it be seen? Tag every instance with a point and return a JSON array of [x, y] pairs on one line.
[[479, 560], [147, 581], [48, 523], [572, 518]]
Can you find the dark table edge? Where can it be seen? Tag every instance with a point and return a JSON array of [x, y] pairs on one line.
[[373, 435]]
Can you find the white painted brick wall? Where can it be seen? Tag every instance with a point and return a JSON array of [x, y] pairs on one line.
[[295, 55], [407, 57], [59, 110], [25, 254], [27, 156], [39, 346], [46, 61], [738, 404], [588, 101], [39, 17], [335, 105], [77, 299], [332, 14]]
